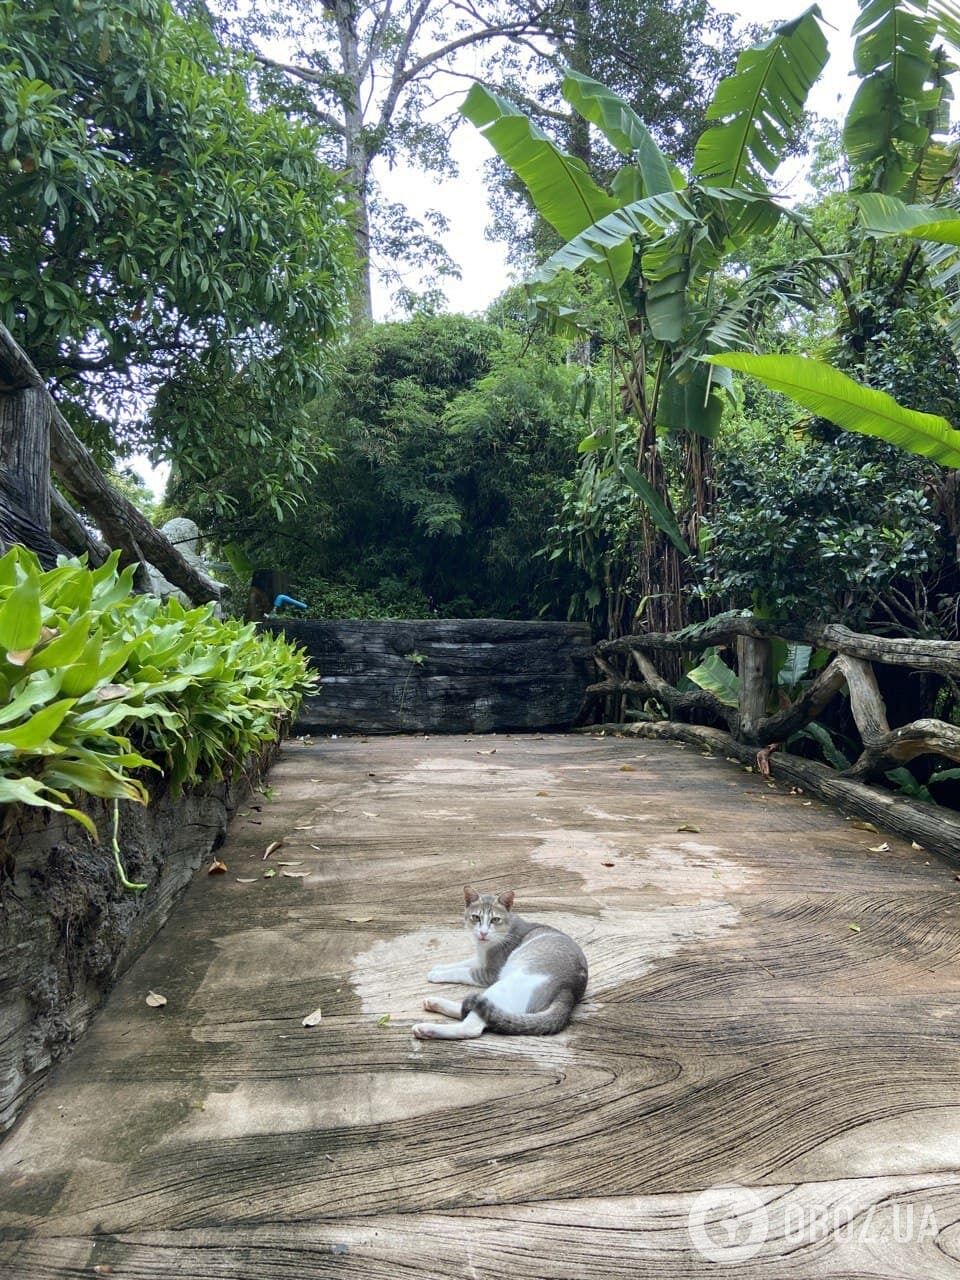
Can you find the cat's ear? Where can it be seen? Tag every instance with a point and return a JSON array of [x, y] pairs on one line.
[[506, 899], [470, 896]]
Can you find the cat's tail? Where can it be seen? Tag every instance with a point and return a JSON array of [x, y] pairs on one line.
[[546, 1022]]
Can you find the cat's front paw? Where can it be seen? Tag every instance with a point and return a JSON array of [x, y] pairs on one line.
[[436, 975], [426, 1030]]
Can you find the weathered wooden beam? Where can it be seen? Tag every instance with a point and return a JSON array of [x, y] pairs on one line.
[[897, 746], [677, 700], [929, 825], [69, 530], [121, 523], [781, 724], [866, 701], [942, 656], [755, 661]]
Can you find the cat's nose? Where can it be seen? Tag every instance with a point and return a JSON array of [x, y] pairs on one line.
[[483, 935]]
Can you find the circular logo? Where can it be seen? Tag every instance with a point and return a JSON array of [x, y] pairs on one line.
[[728, 1223]]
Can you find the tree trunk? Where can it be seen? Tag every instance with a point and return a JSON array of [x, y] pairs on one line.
[[579, 57], [356, 154]]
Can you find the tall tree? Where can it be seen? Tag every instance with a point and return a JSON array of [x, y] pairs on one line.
[[161, 231], [367, 75]]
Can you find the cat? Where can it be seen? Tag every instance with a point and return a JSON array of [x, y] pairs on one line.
[[533, 975]]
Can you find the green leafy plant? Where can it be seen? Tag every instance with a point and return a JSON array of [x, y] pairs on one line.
[[101, 690]]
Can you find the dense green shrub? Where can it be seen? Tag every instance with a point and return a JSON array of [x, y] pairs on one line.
[[816, 529], [98, 685], [450, 441]]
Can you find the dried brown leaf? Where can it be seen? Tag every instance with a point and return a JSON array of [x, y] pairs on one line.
[[289, 864], [688, 826], [19, 657], [155, 1000], [608, 864], [106, 692], [216, 868], [358, 919], [628, 768], [312, 1019], [247, 879], [859, 825], [272, 847], [880, 848], [295, 875]]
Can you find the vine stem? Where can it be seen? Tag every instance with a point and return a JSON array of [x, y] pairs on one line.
[[127, 884]]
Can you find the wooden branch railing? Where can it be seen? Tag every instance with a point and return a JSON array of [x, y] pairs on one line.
[[752, 723], [751, 730]]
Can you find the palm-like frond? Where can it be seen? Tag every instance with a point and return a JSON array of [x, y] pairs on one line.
[[887, 129], [761, 105]]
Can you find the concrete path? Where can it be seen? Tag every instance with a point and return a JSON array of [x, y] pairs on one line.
[[774, 1002]]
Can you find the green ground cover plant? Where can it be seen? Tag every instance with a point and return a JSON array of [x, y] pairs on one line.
[[101, 689]]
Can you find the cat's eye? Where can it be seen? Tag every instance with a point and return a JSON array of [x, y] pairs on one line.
[[475, 917], [497, 919]]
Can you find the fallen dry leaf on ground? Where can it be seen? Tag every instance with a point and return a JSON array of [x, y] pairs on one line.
[[311, 1019], [295, 875], [688, 826], [628, 768], [290, 864], [155, 1000], [358, 919], [216, 868], [272, 847], [865, 826], [880, 848], [272, 872], [246, 879], [608, 864]]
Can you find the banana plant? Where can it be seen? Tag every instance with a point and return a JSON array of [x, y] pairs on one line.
[[658, 240], [903, 163]]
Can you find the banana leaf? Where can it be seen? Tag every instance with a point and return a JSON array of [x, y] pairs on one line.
[[660, 513], [830, 394], [559, 185], [761, 106], [887, 216], [624, 130]]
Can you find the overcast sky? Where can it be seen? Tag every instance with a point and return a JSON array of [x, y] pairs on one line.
[[464, 199]]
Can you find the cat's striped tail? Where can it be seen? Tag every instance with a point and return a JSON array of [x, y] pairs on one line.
[[546, 1022]]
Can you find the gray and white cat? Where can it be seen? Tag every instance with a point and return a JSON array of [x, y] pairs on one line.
[[533, 975]]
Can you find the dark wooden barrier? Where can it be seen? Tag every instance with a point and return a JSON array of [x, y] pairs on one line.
[[447, 675]]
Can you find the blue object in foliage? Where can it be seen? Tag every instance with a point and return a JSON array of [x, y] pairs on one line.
[[282, 600]]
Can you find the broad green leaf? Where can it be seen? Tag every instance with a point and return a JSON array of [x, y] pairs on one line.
[[715, 676], [794, 663], [887, 125], [660, 513], [624, 130], [760, 107], [694, 403], [76, 775], [38, 730], [20, 622], [650, 218], [887, 216], [31, 791], [66, 648], [29, 693], [831, 753], [559, 185], [848, 404]]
